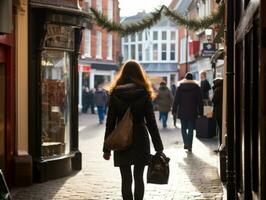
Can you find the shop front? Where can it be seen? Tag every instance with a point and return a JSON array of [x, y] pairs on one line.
[[53, 89]]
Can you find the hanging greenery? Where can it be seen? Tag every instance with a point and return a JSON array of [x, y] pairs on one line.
[[196, 24], [154, 17], [127, 29]]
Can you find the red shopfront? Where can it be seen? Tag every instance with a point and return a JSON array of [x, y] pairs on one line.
[[7, 104]]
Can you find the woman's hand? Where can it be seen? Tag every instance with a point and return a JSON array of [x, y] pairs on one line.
[[106, 156]]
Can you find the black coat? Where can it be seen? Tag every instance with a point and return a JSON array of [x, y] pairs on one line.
[[188, 101], [217, 98], [143, 118], [205, 87]]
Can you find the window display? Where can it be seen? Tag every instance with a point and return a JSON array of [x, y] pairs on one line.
[[55, 78]]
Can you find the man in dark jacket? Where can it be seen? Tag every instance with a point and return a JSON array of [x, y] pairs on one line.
[[188, 105], [205, 87], [100, 100], [91, 100], [218, 104], [85, 100]]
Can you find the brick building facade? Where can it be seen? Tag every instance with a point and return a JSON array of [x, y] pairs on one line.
[[100, 50]]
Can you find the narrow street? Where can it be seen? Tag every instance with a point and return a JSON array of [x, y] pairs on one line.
[[192, 175]]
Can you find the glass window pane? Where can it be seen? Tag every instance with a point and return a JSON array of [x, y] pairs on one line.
[[173, 35], [164, 35], [133, 51], [172, 53], [163, 51], [55, 81], [126, 38], [140, 36], [110, 46], [133, 38], [147, 54], [155, 35], [140, 52], [155, 51], [125, 52]]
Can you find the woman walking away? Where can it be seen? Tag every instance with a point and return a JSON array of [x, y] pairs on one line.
[[188, 106], [164, 101], [132, 88]]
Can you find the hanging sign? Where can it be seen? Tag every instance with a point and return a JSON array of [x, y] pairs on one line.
[[208, 49]]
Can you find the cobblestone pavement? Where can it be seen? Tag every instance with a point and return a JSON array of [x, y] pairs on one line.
[[193, 176]]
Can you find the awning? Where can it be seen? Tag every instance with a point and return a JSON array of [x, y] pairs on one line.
[[64, 12], [100, 65]]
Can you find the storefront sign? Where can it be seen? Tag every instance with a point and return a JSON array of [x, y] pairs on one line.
[[59, 37], [84, 68], [208, 49]]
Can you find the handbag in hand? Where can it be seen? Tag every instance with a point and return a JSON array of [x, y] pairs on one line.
[[122, 136], [158, 169]]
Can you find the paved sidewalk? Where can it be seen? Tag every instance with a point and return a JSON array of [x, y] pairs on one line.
[[193, 176]]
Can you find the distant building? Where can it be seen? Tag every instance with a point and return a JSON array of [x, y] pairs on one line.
[[196, 47], [100, 50], [155, 48]]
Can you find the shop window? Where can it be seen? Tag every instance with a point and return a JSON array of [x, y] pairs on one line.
[[87, 43], [163, 53], [109, 47], [98, 44], [140, 52], [164, 35], [110, 9], [155, 52], [133, 51], [56, 96]]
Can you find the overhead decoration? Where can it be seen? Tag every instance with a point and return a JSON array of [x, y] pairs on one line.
[[154, 17], [196, 24]]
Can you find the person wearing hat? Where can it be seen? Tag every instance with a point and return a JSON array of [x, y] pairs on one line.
[[188, 106], [164, 101]]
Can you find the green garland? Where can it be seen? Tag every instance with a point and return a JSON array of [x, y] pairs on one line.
[[131, 28], [196, 24]]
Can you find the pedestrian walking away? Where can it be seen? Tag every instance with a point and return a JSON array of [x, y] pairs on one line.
[[91, 100], [188, 106], [100, 100], [217, 101], [164, 101], [132, 87], [205, 88], [85, 100]]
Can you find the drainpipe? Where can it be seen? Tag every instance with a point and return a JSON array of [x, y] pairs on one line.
[[231, 174]]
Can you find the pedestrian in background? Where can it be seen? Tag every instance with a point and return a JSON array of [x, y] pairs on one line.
[[173, 89], [91, 100], [132, 88], [217, 101], [85, 100], [100, 100], [164, 101], [188, 106], [205, 87]]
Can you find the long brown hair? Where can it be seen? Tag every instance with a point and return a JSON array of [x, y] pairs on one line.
[[132, 72]]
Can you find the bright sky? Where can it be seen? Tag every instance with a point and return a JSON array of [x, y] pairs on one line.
[[132, 7]]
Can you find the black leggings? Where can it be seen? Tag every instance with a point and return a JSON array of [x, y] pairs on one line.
[[126, 176]]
